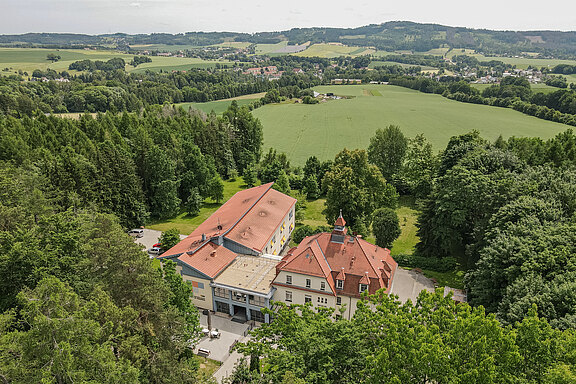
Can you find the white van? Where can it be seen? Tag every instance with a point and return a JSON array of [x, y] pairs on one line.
[[139, 232]]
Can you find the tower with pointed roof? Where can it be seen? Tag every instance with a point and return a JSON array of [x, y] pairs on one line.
[[333, 270]]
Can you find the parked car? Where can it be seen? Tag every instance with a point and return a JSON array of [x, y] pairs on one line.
[[159, 245], [155, 251], [138, 232]]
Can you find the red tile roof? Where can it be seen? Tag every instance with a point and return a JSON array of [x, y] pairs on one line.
[[355, 261], [250, 218], [261, 221], [210, 259]]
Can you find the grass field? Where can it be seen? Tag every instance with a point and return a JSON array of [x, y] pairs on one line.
[[519, 62], [29, 59], [374, 64], [535, 87], [266, 49], [220, 106], [324, 129], [334, 50]]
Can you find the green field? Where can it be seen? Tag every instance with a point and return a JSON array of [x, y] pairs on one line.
[[519, 62], [324, 129], [266, 49], [29, 59], [535, 87], [334, 50], [374, 64], [220, 106]]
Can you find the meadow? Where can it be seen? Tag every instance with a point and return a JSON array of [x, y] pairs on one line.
[[334, 50], [535, 87], [29, 59], [519, 62], [220, 106], [324, 129]]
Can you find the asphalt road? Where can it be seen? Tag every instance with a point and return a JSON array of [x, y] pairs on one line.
[[408, 284]]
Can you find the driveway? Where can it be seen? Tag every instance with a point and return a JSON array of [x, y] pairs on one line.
[[150, 238], [408, 284]]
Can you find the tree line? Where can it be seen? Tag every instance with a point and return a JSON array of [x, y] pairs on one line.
[[434, 340], [512, 92], [137, 166], [506, 211]]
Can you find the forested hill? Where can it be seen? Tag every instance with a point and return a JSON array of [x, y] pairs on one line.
[[389, 36]]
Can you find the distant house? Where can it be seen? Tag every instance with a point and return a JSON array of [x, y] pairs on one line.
[[231, 258], [333, 270]]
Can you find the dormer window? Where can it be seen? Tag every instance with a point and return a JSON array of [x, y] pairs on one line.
[[363, 287], [322, 286], [339, 284]]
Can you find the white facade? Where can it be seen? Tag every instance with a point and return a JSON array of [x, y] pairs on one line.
[[281, 235]]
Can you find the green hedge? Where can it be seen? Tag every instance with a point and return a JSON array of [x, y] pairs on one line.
[[434, 264]]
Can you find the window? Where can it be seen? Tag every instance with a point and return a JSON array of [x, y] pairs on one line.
[[283, 226], [363, 287], [291, 227], [237, 296], [257, 316], [322, 300], [308, 283], [258, 301], [339, 284], [307, 299], [288, 279], [289, 296], [221, 292], [322, 286], [338, 300], [222, 307], [290, 214]]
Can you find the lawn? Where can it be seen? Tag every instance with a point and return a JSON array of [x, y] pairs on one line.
[[186, 224], [207, 366], [374, 64], [220, 106], [324, 129], [453, 279]]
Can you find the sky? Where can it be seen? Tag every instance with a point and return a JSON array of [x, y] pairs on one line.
[[177, 16]]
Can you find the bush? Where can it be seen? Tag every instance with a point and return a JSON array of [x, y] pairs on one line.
[[431, 263]]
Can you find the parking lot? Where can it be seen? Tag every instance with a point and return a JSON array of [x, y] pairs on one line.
[[150, 238]]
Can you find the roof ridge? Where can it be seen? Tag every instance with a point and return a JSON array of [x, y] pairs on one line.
[[368, 257], [249, 209]]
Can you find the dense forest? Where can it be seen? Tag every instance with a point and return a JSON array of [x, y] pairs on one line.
[[133, 165]]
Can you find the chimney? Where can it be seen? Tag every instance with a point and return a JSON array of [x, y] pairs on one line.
[[203, 237], [213, 254]]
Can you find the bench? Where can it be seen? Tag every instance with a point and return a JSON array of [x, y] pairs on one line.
[[203, 352]]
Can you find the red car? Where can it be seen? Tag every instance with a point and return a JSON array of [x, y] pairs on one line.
[[157, 245]]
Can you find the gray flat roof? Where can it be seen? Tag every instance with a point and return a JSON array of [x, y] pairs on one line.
[[252, 273]]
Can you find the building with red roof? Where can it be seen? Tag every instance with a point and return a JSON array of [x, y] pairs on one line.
[[333, 270], [244, 235]]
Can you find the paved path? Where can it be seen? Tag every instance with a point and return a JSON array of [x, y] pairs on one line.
[[220, 348], [408, 284]]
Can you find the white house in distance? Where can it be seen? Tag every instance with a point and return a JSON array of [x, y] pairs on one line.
[[231, 258], [332, 270]]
